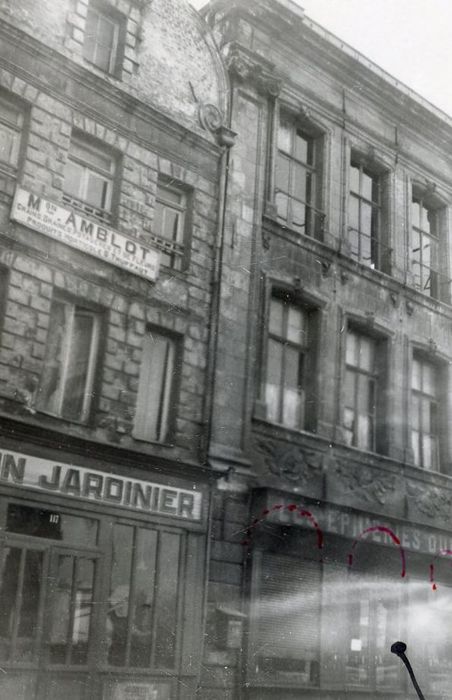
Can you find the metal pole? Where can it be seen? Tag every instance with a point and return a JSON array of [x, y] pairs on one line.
[[399, 649]]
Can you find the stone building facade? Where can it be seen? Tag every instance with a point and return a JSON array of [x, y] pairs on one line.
[[112, 145], [332, 396]]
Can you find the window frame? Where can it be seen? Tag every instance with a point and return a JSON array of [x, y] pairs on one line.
[[170, 388], [437, 399], [83, 142], [107, 13], [312, 203], [424, 203], [94, 358], [307, 355], [11, 103], [176, 249], [360, 373], [375, 204]]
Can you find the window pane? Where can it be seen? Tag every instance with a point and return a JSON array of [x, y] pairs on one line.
[[169, 195], [416, 412], [299, 182], [282, 173], [354, 179], [352, 349], [77, 385], [166, 608], [353, 213], [303, 151], [145, 568], [429, 379], [20, 589], [171, 224], [103, 57], [273, 379], [298, 214], [349, 388], [276, 317], [426, 251], [154, 391], [366, 186], [73, 179], [83, 587], [285, 136], [91, 155], [416, 214], [296, 325], [9, 141], [98, 191], [282, 203], [118, 611], [366, 353], [366, 219], [364, 437], [431, 217], [51, 386], [415, 447], [292, 398]]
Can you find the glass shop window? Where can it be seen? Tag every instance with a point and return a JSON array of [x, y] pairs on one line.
[[48, 524], [144, 603]]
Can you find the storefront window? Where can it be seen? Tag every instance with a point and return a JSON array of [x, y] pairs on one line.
[[20, 590], [71, 610], [143, 608]]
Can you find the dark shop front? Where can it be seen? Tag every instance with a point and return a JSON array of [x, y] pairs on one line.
[[102, 581], [331, 589]]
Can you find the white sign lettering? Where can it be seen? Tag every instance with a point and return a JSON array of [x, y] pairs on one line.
[[89, 484], [87, 235]]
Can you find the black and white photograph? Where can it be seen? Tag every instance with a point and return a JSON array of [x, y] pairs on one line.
[[225, 350]]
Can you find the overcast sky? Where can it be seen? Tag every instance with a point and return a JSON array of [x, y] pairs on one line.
[[409, 38]]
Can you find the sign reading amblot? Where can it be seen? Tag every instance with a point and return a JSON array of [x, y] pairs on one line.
[[88, 484], [91, 237]]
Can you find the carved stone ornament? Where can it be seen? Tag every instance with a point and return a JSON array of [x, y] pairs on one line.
[[243, 68], [430, 501], [366, 483], [292, 462], [210, 117]]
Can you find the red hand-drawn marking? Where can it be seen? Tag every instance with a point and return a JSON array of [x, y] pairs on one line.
[[392, 535], [292, 508], [442, 552]]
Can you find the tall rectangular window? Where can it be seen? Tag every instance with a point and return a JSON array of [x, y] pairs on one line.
[[11, 124], [152, 415], [424, 247], [67, 381], [104, 37], [360, 400], [297, 173], [89, 178], [169, 224], [424, 414], [364, 215], [289, 364]]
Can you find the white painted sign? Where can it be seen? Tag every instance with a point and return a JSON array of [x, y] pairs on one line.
[[87, 235], [91, 485]]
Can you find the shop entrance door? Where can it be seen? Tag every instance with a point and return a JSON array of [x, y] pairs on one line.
[[46, 621]]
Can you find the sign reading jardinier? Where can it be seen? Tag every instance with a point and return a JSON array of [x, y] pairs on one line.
[[89, 236], [88, 484]]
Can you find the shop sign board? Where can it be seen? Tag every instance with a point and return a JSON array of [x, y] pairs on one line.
[[131, 690], [347, 523], [89, 236], [91, 485]]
